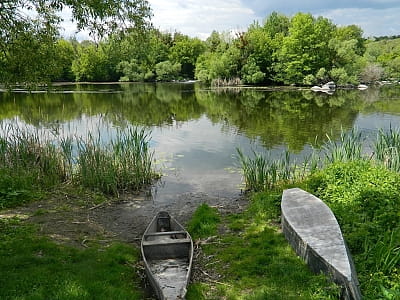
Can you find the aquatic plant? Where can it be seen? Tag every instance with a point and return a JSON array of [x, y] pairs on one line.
[[387, 148], [123, 164], [261, 171], [32, 161], [348, 148]]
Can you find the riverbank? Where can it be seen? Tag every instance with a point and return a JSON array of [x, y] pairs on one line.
[[75, 222], [245, 256]]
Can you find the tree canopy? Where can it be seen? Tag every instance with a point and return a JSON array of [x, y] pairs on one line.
[[301, 49], [29, 31]]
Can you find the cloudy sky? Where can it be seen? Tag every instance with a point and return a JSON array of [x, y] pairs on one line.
[[200, 17]]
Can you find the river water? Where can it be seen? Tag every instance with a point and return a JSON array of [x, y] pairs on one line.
[[195, 131]]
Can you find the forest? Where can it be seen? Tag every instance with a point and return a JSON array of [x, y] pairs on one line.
[[298, 50]]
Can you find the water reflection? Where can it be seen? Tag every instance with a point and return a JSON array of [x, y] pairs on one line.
[[195, 131]]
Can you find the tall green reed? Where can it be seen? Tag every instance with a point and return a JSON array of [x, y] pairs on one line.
[[348, 148], [125, 163], [32, 160], [385, 253], [387, 148], [261, 171]]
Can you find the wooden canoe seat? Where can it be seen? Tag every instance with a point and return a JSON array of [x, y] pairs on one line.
[[166, 242], [164, 233]]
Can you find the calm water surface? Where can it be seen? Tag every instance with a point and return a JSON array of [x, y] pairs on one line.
[[195, 131]]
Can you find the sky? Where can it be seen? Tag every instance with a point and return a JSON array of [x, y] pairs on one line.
[[199, 18]]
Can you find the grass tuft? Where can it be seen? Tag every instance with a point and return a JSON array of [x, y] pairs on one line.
[[204, 222]]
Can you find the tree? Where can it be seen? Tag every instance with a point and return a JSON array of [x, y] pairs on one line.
[[185, 51], [277, 23], [94, 63], [65, 54], [34, 24], [166, 71], [306, 48]]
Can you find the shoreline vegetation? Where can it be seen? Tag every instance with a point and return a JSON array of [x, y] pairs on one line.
[[301, 50], [245, 254], [31, 163]]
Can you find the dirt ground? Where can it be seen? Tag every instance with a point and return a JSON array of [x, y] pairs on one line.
[[76, 219]]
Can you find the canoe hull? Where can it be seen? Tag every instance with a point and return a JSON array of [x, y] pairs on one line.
[[167, 251], [312, 230]]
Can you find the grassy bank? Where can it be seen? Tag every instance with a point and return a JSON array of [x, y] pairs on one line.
[[32, 163], [251, 257], [33, 267], [362, 190]]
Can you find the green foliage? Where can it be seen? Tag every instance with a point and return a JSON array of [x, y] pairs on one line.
[[365, 200], [185, 52], [215, 65], [251, 73], [277, 24], [384, 55], [204, 222], [309, 79], [33, 267], [93, 63], [28, 52], [166, 71], [134, 71], [305, 50], [65, 56]]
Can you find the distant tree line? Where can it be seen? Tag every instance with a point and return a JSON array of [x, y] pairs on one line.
[[301, 50]]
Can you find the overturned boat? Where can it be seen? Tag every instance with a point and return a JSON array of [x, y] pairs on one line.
[[313, 231]]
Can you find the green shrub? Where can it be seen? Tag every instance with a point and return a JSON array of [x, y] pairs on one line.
[[365, 199]]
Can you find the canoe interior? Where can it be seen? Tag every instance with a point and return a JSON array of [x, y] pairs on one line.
[[167, 250]]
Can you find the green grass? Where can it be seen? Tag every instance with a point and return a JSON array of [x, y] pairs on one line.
[[32, 267], [204, 222], [256, 262]]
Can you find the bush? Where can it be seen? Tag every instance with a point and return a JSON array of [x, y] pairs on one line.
[[365, 199]]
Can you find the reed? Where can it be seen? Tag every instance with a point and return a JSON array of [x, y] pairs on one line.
[[261, 172], [31, 161], [387, 148], [348, 148], [123, 164], [385, 254]]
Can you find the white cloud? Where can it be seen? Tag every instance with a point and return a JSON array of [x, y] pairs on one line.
[[199, 19], [373, 22]]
